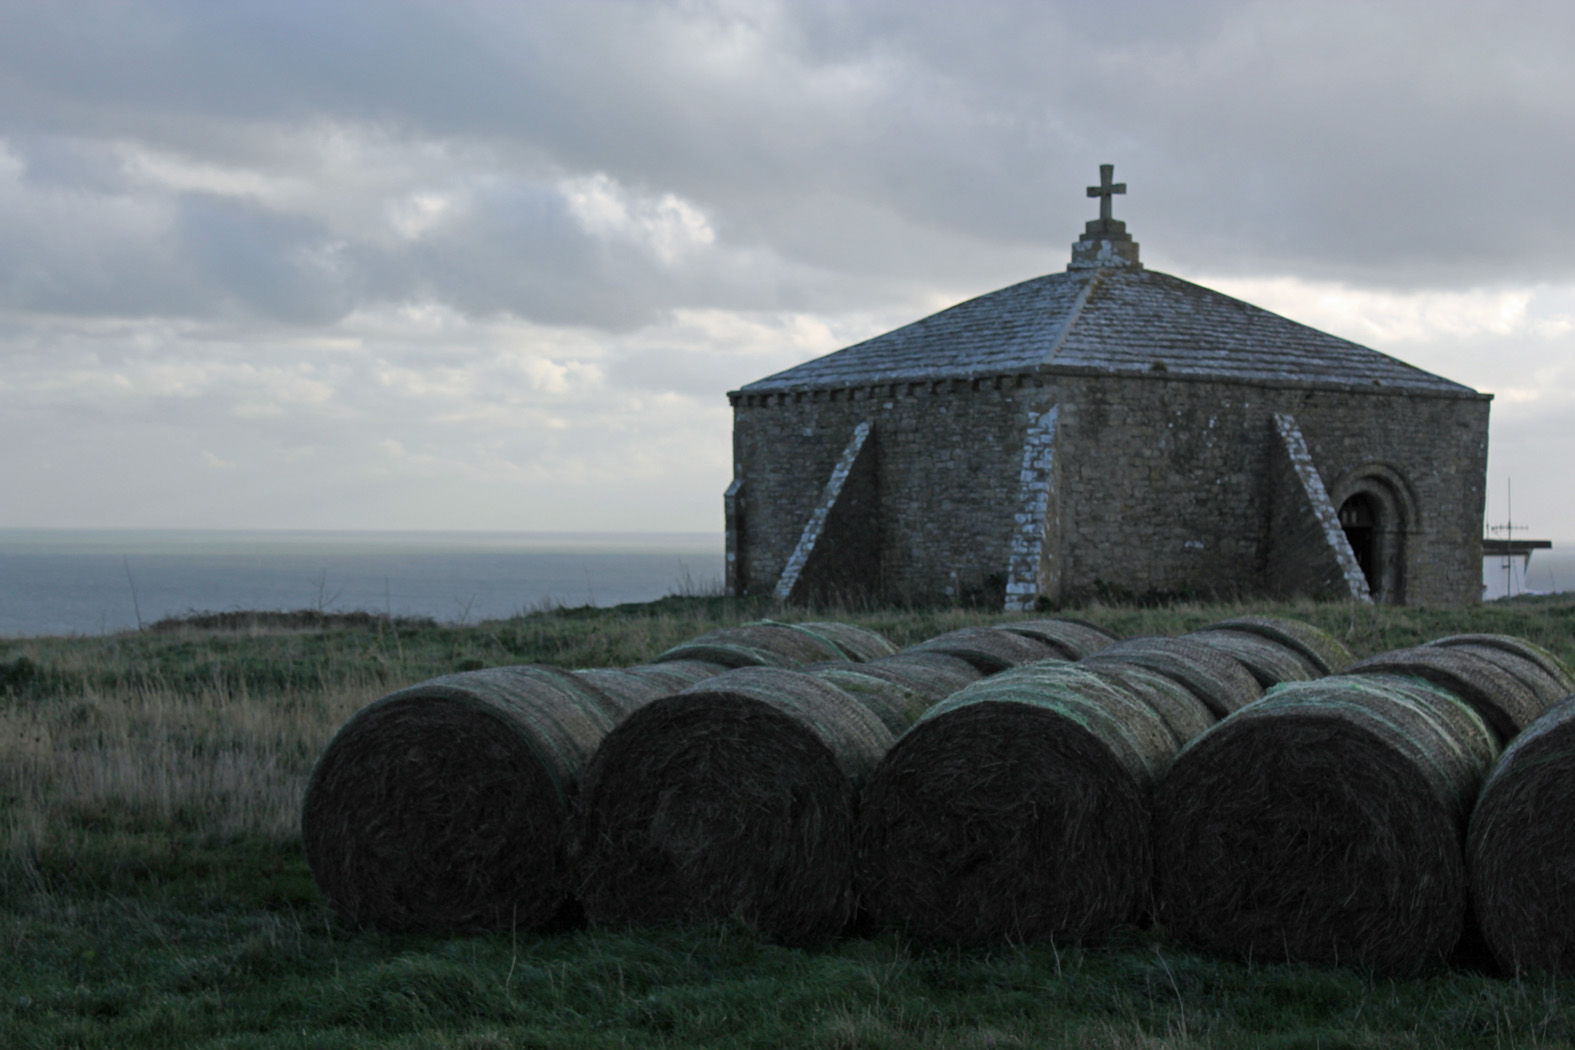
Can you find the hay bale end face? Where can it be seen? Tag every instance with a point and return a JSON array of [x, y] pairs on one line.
[[731, 800], [1519, 851], [1324, 824], [1015, 810], [446, 805]]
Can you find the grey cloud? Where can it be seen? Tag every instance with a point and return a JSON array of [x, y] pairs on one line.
[[1342, 139]]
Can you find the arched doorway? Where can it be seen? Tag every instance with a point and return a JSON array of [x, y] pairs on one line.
[[1359, 519], [1376, 514]]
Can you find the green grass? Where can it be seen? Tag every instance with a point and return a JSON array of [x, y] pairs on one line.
[[153, 892]]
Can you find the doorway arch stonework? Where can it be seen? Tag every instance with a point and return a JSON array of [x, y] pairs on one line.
[[1378, 513]]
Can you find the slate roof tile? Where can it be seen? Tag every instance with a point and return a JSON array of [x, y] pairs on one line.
[[1119, 321]]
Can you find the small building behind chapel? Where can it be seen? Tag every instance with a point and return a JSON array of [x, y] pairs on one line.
[[1106, 430]]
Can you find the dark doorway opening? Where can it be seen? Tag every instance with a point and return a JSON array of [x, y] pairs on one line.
[[1359, 520]]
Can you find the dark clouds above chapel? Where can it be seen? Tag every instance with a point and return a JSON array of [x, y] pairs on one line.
[[636, 199]]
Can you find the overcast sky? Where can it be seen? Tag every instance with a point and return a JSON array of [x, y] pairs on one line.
[[495, 265]]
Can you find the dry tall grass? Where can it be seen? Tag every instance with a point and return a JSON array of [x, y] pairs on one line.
[[216, 760]]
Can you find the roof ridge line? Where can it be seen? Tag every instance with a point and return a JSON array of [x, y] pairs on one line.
[[1072, 316]]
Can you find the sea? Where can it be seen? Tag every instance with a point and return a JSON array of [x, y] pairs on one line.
[[99, 581]]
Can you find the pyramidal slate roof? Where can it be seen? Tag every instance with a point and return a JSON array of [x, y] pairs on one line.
[[1119, 320]]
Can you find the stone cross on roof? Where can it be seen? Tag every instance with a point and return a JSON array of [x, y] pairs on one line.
[[1105, 242], [1106, 189]]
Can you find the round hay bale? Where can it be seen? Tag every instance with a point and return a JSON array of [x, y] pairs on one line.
[[1506, 703], [858, 644], [631, 688], [1016, 809], [763, 644], [1324, 824], [1071, 639], [1519, 851], [1327, 653], [1220, 682], [1548, 689], [628, 692], [1177, 706], [990, 649], [677, 674], [730, 800], [934, 683], [938, 663], [897, 704], [1268, 661], [1520, 647], [446, 805]]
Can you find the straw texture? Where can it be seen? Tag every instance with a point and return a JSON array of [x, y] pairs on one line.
[[1506, 703], [859, 644], [1071, 639], [446, 805], [1016, 809], [990, 649], [730, 800], [1324, 824], [630, 688], [763, 644], [1327, 653], [1269, 661], [1520, 853], [1220, 682], [1551, 665]]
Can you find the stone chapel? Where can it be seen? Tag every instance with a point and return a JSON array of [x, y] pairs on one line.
[[1106, 430]]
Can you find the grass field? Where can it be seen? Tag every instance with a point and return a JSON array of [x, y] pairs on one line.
[[153, 891]]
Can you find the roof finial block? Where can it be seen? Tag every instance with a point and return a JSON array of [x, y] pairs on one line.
[[1105, 242]]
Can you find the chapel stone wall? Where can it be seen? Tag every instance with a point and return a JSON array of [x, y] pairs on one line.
[[947, 458], [1164, 484]]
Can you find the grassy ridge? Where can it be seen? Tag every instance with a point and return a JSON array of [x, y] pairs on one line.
[[153, 892]]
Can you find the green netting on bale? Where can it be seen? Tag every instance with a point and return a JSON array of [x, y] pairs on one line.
[[1324, 824], [730, 801], [1216, 679], [1520, 853], [446, 805], [1327, 653], [1016, 809]]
